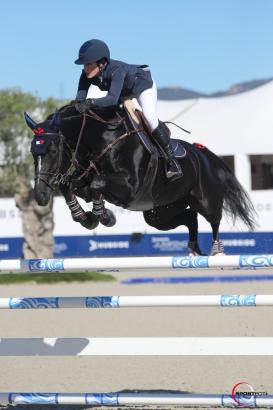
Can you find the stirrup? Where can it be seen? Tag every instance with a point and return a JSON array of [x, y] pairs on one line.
[[175, 172]]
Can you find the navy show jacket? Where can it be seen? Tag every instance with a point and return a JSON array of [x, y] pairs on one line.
[[119, 79]]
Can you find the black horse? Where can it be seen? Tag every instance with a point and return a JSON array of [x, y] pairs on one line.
[[115, 161]]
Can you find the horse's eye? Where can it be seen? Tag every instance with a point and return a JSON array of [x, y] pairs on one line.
[[53, 150]]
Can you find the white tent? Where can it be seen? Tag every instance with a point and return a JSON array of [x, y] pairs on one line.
[[239, 125]]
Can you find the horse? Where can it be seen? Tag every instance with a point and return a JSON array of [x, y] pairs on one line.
[[115, 161]]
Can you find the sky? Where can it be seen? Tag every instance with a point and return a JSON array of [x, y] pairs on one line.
[[203, 45]]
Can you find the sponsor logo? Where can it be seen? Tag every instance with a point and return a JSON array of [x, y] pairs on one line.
[[245, 395], [60, 247], [166, 244], [4, 247], [40, 142], [239, 242], [95, 245]]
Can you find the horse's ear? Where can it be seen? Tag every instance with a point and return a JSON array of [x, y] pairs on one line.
[[56, 120], [30, 122]]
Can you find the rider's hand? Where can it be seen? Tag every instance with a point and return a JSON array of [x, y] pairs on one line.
[[83, 106]]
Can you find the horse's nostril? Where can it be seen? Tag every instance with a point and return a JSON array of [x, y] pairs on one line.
[[41, 197]]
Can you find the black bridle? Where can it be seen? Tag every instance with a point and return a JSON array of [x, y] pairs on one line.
[[55, 178]]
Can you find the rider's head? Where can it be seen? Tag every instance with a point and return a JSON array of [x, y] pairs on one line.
[[93, 55]]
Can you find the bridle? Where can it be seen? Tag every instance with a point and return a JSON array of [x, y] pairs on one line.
[[55, 178], [92, 163]]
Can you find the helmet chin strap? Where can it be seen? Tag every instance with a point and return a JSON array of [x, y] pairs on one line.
[[102, 66]]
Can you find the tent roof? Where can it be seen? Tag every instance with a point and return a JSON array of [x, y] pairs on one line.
[[227, 125]]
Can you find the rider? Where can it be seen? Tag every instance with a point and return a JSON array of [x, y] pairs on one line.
[[122, 80]]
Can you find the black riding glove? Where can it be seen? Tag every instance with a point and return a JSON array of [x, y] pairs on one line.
[[83, 106]]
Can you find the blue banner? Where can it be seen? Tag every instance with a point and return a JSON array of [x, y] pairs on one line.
[[143, 245]]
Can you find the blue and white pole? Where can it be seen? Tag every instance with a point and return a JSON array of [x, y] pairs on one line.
[[133, 399], [100, 302], [135, 263]]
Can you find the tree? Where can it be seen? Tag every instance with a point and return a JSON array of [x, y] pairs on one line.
[[15, 136]]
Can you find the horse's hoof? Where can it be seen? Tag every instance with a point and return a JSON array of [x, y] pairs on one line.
[[91, 221], [217, 248], [193, 249], [108, 219]]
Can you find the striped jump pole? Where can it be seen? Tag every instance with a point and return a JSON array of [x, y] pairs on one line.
[[135, 263], [136, 301], [137, 346], [137, 398]]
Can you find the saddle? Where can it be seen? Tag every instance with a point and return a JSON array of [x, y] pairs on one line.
[[139, 123], [144, 199]]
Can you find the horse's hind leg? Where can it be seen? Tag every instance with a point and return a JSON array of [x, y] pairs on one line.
[[170, 217], [191, 222], [211, 209], [217, 245]]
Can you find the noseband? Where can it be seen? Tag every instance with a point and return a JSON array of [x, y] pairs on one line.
[[55, 178]]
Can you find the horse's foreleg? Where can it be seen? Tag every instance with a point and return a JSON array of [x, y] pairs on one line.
[[86, 219], [105, 216], [217, 245]]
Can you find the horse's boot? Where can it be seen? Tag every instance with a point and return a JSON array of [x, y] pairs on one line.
[[161, 136]]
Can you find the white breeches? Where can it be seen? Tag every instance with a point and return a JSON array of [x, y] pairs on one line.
[[147, 101]]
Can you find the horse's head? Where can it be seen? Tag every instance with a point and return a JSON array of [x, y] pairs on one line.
[[51, 158]]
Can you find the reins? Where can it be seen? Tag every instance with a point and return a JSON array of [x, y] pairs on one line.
[[57, 177], [63, 178], [92, 164]]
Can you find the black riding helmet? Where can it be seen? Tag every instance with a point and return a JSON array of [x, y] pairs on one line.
[[92, 51]]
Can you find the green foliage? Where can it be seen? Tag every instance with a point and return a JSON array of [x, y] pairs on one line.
[[55, 277], [15, 136]]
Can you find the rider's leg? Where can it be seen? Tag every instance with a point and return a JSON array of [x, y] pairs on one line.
[[148, 101]]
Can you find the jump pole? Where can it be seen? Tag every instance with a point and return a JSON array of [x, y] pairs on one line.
[[100, 302], [135, 263], [138, 398], [137, 346]]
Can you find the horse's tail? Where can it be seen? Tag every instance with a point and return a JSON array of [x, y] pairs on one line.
[[236, 200]]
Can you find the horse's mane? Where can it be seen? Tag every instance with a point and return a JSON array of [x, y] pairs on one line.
[[107, 114]]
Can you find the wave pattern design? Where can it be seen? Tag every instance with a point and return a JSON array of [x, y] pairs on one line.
[[190, 262], [255, 261], [33, 303], [101, 399], [102, 302], [238, 300], [45, 265], [241, 400], [34, 398]]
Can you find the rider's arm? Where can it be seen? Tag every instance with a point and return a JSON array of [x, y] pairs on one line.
[[83, 86], [112, 98]]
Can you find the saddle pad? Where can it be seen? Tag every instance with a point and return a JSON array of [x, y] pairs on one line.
[[178, 148]]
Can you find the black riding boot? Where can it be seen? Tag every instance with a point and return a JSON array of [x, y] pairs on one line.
[[162, 137]]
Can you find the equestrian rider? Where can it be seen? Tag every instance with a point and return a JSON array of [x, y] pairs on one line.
[[122, 80]]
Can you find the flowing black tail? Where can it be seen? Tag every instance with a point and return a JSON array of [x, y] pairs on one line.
[[236, 200]]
